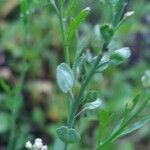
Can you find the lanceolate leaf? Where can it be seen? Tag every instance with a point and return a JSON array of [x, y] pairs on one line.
[[131, 105], [24, 10], [119, 10], [71, 7], [75, 23], [54, 4], [105, 117], [137, 125], [65, 77]]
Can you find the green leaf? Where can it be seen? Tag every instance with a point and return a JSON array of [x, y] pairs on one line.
[[131, 104], [120, 55], [80, 46], [54, 4], [93, 105], [65, 77], [104, 118], [71, 7], [91, 96], [25, 10], [137, 125], [118, 10], [107, 32], [75, 23], [68, 135], [5, 86]]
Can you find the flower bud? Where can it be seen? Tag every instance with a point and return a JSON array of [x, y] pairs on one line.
[[128, 14], [120, 55], [129, 105]]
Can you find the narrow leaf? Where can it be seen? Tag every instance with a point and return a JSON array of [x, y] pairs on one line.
[[131, 105], [54, 4], [75, 23], [137, 125], [24, 10], [71, 7]]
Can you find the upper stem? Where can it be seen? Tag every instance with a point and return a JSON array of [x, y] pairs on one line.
[[76, 103], [63, 32]]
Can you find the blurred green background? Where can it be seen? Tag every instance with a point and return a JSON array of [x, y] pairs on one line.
[[44, 107]]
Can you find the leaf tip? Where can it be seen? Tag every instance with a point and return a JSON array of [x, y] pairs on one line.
[[88, 9]]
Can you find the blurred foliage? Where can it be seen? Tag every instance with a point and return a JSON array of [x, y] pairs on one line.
[[44, 106]]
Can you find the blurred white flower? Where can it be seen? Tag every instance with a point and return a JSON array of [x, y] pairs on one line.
[[38, 144], [146, 79], [28, 145], [44, 147]]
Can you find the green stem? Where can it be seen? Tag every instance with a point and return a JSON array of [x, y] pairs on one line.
[[15, 110], [66, 146], [63, 32], [76, 103], [17, 96], [13, 131]]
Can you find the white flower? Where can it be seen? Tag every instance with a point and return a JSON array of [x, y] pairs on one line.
[[44, 147], [38, 144], [146, 79], [28, 145]]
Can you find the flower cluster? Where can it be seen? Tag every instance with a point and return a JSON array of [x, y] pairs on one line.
[[38, 145]]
